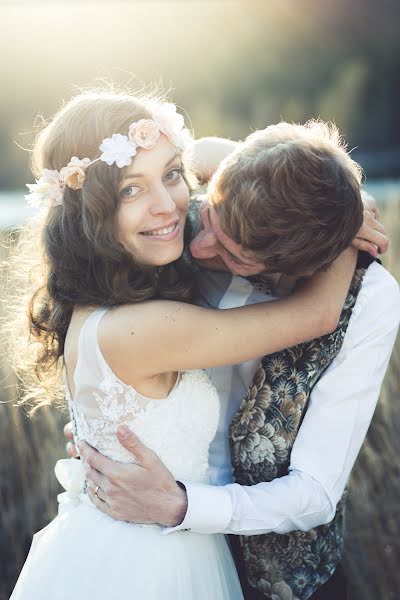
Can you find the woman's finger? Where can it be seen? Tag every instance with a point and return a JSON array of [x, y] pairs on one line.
[[365, 246], [374, 236]]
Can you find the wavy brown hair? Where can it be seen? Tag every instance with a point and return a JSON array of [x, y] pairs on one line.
[[290, 194], [70, 255]]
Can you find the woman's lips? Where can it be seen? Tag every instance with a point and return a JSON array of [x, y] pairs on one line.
[[164, 233]]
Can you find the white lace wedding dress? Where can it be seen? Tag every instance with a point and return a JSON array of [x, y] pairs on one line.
[[85, 554]]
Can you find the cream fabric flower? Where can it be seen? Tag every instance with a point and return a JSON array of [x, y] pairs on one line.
[[117, 149], [47, 191], [73, 175], [144, 133]]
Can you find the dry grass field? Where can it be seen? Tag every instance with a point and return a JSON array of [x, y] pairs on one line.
[[28, 488]]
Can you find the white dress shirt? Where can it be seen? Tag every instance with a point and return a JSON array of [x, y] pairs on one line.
[[340, 410]]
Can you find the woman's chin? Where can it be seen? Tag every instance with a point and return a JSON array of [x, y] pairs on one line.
[[163, 258]]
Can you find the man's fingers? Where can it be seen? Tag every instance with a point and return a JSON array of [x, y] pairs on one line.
[[68, 431], [100, 492], [133, 444], [101, 505], [94, 459], [96, 478]]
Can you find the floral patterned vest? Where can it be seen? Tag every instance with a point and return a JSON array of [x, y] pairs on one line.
[[262, 434]]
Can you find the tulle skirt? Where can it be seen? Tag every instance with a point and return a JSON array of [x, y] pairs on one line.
[[84, 554]]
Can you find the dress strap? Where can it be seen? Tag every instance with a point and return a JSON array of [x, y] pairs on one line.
[[90, 359]]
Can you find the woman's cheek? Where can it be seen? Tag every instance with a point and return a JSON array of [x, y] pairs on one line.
[[183, 195], [127, 223]]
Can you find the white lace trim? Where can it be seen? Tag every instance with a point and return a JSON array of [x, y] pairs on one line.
[[178, 428]]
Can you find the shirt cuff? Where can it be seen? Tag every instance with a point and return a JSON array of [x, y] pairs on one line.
[[209, 509]]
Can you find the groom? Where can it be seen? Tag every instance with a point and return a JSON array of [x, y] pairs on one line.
[[283, 205]]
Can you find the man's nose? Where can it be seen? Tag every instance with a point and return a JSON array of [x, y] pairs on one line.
[[204, 245], [162, 201]]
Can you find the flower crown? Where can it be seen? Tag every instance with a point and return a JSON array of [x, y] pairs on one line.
[[118, 149]]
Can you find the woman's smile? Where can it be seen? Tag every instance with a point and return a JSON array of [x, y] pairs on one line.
[[166, 233], [152, 213]]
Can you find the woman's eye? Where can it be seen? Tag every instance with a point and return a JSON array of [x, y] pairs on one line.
[[130, 191], [174, 174]]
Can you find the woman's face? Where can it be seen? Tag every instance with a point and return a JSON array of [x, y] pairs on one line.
[[154, 200]]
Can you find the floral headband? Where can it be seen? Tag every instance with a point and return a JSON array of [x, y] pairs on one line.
[[118, 149]]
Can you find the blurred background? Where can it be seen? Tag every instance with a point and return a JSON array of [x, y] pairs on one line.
[[233, 67]]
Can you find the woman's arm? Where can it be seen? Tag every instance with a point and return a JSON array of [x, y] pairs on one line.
[[371, 236], [162, 336], [207, 153]]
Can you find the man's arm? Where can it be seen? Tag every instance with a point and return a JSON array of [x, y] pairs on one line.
[[340, 410]]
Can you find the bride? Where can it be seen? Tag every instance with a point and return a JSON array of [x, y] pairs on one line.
[[109, 307]]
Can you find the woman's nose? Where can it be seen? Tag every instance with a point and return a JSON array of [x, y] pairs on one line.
[[162, 202]]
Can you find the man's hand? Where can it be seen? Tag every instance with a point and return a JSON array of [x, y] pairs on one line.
[[144, 492]]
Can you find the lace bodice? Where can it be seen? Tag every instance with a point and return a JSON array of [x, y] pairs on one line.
[[178, 428]]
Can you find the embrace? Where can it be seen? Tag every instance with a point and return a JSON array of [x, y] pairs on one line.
[[221, 355]]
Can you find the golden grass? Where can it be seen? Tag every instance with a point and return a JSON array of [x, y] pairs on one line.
[[28, 488], [373, 515]]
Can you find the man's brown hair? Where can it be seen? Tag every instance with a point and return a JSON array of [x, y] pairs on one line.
[[290, 194]]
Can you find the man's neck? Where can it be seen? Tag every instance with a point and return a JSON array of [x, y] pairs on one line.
[[280, 284]]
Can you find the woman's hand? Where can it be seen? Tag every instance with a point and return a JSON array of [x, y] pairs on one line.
[[370, 204], [371, 236], [207, 153]]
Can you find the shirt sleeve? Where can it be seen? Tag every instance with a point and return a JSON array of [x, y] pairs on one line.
[[340, 410]]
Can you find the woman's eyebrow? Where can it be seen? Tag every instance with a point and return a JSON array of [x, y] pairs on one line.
[[136, 175]]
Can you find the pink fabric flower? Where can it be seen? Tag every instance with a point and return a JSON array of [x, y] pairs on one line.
[[144, 133], [167, 118], [73, 175]]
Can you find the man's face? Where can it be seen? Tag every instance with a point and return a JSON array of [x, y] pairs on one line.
[[216, 250]]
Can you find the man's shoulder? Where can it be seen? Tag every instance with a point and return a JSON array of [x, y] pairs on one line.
[[377, 280], [378, 302]]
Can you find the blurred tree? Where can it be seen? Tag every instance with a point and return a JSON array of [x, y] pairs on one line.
[[235, 66]]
